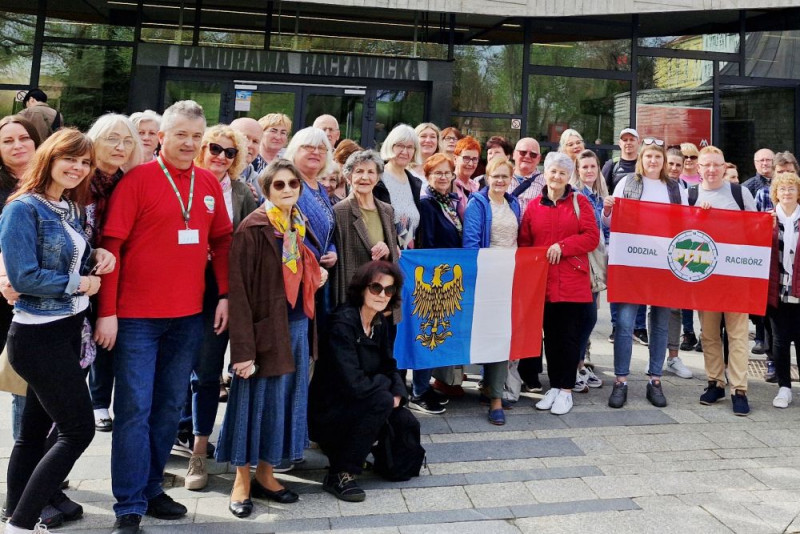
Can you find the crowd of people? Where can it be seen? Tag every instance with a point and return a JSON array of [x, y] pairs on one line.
[[134, 256]]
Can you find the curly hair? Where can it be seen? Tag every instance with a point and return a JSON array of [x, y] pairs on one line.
[[239, 142]]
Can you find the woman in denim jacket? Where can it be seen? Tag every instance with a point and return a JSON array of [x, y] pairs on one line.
[[49, 263]]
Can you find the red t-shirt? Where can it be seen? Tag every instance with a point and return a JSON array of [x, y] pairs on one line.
[[155, 276]]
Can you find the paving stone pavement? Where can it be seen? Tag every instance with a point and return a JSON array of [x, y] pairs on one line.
[[683, 468]]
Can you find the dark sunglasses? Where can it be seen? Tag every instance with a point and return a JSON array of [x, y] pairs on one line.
[[526, 153], [689, 157], [294, 183], [653, 141], [376, 289], [216, 150], [677, 147]]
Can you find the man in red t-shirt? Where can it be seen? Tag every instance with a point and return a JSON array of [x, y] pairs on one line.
[[163, 221]]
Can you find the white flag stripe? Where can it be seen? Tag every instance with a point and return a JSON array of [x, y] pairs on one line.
[[491, 320], [638, 250]]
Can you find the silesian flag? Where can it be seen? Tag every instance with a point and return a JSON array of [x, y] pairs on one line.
[[687, 257], [465, 306]]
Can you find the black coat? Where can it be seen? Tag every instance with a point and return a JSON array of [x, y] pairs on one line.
[[382, 193]]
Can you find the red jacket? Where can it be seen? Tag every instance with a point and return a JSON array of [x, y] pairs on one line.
[[545, 223]]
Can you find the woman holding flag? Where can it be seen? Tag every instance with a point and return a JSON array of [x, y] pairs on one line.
[[651, 183], [491, 220], [564, 221]]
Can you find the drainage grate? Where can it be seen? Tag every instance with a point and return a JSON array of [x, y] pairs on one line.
[[757, 368]]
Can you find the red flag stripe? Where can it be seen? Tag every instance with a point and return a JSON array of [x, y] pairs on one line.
[[527, 302]]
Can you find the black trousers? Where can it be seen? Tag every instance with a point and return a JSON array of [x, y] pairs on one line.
[[346, 436], [785, 320], [562, 330], [47, 356]]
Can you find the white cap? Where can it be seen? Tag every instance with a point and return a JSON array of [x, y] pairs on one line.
[[629, 131]]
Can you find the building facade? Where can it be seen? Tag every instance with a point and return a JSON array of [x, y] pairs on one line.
[[724, 73]]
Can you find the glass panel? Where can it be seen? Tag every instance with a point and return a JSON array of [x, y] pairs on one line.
[[232, 39], [752, 118], [263, 102], [207, 94], [309, 42], [84, 30], [167, 23], [613, 54], [395, 107], [348, 110], [773, 54], [16, 47], [488, 79], [84, 81], [711, 42], [590, 106], [10, 102], [482, 128], [674, 100]]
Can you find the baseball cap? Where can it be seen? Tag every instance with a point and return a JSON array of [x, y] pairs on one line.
[[629, 131]]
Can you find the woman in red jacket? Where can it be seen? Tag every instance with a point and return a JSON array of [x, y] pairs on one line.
[[563, 221]]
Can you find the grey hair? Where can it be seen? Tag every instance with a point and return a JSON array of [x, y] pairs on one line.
[[360, 157], [402, 133], [560, 160], [310, 136], [145, 116], [188, 109], [108, 122]]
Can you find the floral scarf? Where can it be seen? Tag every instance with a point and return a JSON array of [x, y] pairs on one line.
[[290, 255], [446, 203]]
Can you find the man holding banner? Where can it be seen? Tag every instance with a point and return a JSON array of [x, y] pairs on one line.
[[715, 192]]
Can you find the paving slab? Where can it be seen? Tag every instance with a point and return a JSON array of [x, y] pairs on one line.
[[500, 450]]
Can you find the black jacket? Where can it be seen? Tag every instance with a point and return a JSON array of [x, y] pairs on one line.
[[382, 193]]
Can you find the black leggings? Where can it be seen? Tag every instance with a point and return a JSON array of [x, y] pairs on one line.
[[785, 321], [562, 348], [47, 356]]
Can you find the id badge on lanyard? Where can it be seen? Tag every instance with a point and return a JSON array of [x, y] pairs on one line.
[[187, 236]]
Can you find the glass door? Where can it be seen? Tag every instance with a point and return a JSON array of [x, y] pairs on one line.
[[346, 104], [257, 100], [209, 94]]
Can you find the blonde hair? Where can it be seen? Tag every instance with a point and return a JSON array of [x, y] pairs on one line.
[[599, 186], [711, 149], [663, 176], [275, 119], [499, 161], [787, 178], [688, 149], [565, 135], [217, 132]]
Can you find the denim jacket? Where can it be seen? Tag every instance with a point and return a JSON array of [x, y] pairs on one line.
[[39, 255]]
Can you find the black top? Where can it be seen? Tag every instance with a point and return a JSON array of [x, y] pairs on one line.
[[438, 229]]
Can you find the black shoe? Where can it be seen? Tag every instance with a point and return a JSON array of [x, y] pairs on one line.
[[619, 395], [343, 486], [69, 508], [164, 507], [759, 347], [712, 394], [241, 508], [699, 346], [104, 425], [655, 394], [689, 341], [284, 496], [770, 375], [50, 516], [534, 387], [640, 336], [740, 404], [613, 332], [426, 403], [127, 524], [441, 398]]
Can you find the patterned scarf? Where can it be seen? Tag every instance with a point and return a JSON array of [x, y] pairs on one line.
[[446, 203], [101, 187], [290, 256]]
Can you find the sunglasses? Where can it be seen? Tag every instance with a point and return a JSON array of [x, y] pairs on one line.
[[676, 147], [376, 289], [653, 141], [294, 183], [526, 153], [216, 150]]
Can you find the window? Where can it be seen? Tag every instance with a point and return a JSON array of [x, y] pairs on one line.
[[488, 79]]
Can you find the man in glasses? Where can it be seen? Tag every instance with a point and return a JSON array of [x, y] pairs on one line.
[[714, 192], [764, 163], [252, 131], [617, 168], [163, 223], [329, 125], [527, 182]]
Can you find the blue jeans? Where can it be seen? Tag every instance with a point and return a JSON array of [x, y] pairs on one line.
[[641, 316], [623, 340], [421, 381], [587, 326], [101, 379], [687, 318], [152, 362], [17, 408]]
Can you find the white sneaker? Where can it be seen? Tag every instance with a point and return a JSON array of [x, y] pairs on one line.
[[783, 399], [547, 402], [562, 404], [580, 382], [197, 476], [675, 366], [592, 381]]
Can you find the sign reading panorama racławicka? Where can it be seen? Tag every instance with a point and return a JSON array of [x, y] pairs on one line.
[[690, 258]]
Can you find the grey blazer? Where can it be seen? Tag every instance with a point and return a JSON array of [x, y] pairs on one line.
[[243, 201]]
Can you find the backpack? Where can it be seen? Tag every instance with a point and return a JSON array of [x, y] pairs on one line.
[[398, 454], [736, 191]]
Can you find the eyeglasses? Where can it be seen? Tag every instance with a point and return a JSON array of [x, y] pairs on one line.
[[442, 174], [526, 153], [690, 157], [653, 141], [294, 183], [216, 150], [322, 149], [400, 148], [791, 189], [275, 131], [376, 289], [711, 165], [470, 160], [451, 138], [127, 142]]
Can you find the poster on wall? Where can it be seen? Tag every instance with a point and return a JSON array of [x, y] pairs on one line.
[[675, 124], [243, 99]]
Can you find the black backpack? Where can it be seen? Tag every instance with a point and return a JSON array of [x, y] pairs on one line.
[[398, 453]]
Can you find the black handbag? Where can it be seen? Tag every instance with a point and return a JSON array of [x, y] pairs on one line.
[[399, 454]]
